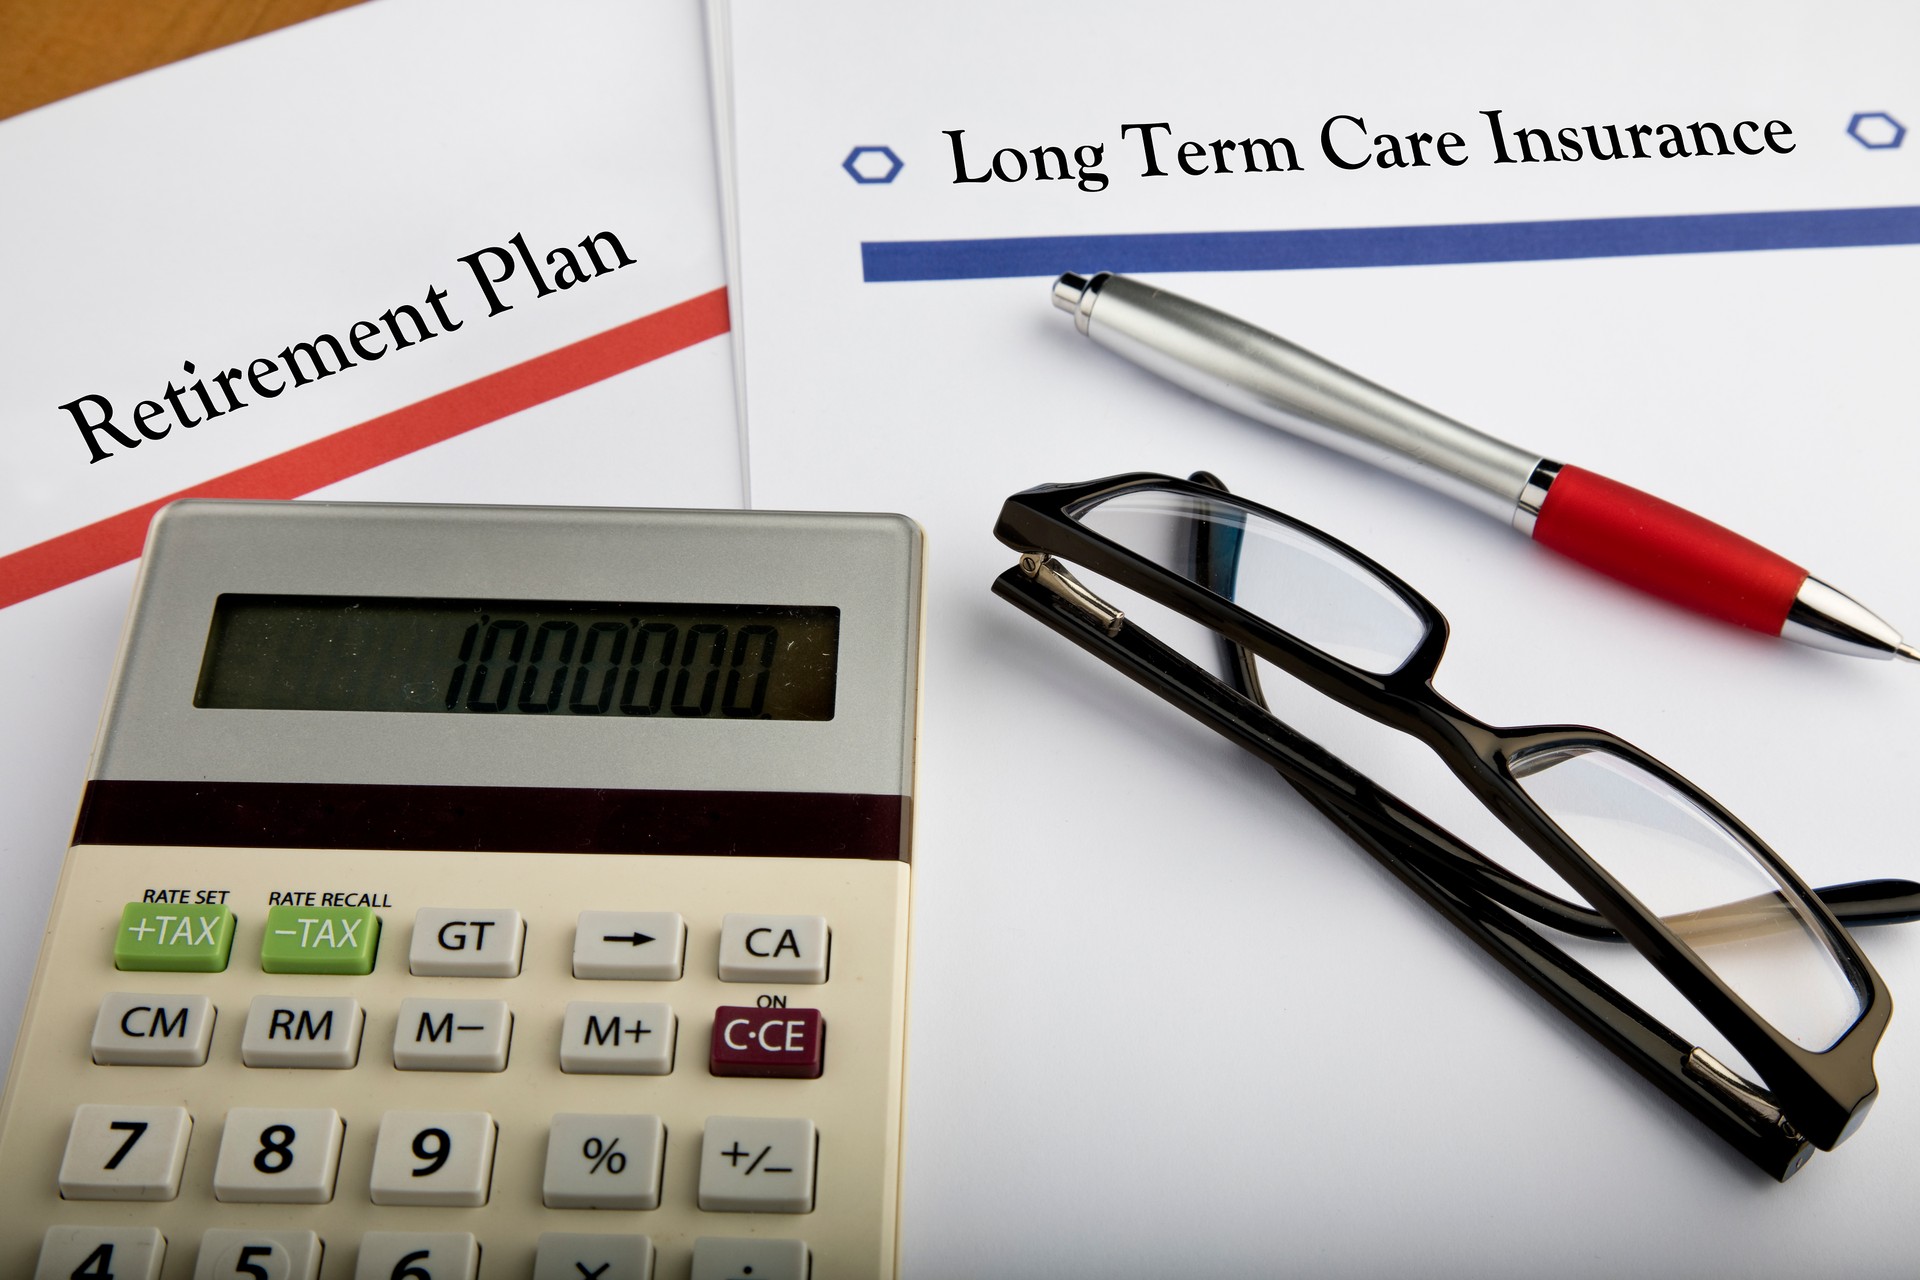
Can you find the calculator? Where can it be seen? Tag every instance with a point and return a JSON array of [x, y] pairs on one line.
[[482, 892]]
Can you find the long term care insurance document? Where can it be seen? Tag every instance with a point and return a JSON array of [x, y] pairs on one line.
[[1166, 1021], [451, 252]]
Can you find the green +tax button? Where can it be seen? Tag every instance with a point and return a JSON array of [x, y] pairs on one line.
[[320, 940], [161, 935]]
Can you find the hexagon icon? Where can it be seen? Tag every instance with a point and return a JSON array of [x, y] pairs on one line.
[[1876, 130], [872, 164]]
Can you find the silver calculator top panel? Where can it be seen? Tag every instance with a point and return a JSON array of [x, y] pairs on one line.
[[868, 566]]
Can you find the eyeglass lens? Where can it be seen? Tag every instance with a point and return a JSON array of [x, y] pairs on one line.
[[1704, 881], [1286, 576]]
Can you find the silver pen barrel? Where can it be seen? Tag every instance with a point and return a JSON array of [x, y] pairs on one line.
[[1270, 380]]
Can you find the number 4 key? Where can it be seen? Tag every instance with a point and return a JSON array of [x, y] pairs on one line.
[[101, 1253]]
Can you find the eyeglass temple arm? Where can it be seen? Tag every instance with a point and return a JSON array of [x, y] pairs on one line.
[[1728, 1106], [1856, 903]]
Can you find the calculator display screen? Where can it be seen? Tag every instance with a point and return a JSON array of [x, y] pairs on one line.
[[521, 657]]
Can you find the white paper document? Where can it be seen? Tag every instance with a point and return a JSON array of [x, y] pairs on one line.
[[435, 252], [1166, 1019]]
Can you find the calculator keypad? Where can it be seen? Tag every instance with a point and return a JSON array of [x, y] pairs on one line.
[[506, 1116]]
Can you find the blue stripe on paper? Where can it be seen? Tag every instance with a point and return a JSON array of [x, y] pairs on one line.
[[897, 260]]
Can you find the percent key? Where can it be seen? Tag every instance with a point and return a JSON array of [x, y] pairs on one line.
[[604, 1162]]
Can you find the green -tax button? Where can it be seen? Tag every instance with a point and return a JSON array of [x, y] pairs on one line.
[[320, 940], [162, 935]]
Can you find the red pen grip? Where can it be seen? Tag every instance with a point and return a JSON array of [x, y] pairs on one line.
[[1665, 551]]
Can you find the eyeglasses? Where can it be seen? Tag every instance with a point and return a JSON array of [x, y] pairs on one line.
[[1658, 862]]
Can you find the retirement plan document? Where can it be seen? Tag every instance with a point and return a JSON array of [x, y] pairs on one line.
[[421, 252], [1166, 1020]]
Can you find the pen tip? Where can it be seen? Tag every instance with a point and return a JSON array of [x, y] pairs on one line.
[[1908, 652]]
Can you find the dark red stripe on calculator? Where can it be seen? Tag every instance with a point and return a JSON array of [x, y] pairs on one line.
[[303, 815]]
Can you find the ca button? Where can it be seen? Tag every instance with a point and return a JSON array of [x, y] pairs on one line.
[[773, 948]]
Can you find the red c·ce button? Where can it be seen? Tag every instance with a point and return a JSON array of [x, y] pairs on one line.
[[787, 1043]]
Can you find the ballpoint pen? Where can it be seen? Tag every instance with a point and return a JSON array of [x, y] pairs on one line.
[[1628, 535]]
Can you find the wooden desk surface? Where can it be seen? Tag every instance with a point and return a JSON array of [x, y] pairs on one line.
[[52, 49]]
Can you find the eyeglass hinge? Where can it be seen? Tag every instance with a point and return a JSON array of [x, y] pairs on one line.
[[1723, 1080], [1053, 575]]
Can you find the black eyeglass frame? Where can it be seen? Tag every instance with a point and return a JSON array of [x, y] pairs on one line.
[[1825, 1093]]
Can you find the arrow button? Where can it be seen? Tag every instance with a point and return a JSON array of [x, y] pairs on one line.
[[642, 946]]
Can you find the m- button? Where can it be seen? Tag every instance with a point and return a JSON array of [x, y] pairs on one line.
[[464, 942], [452, 1035], [773, 948]]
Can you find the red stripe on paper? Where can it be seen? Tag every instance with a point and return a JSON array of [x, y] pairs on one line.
[[117, 539]]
